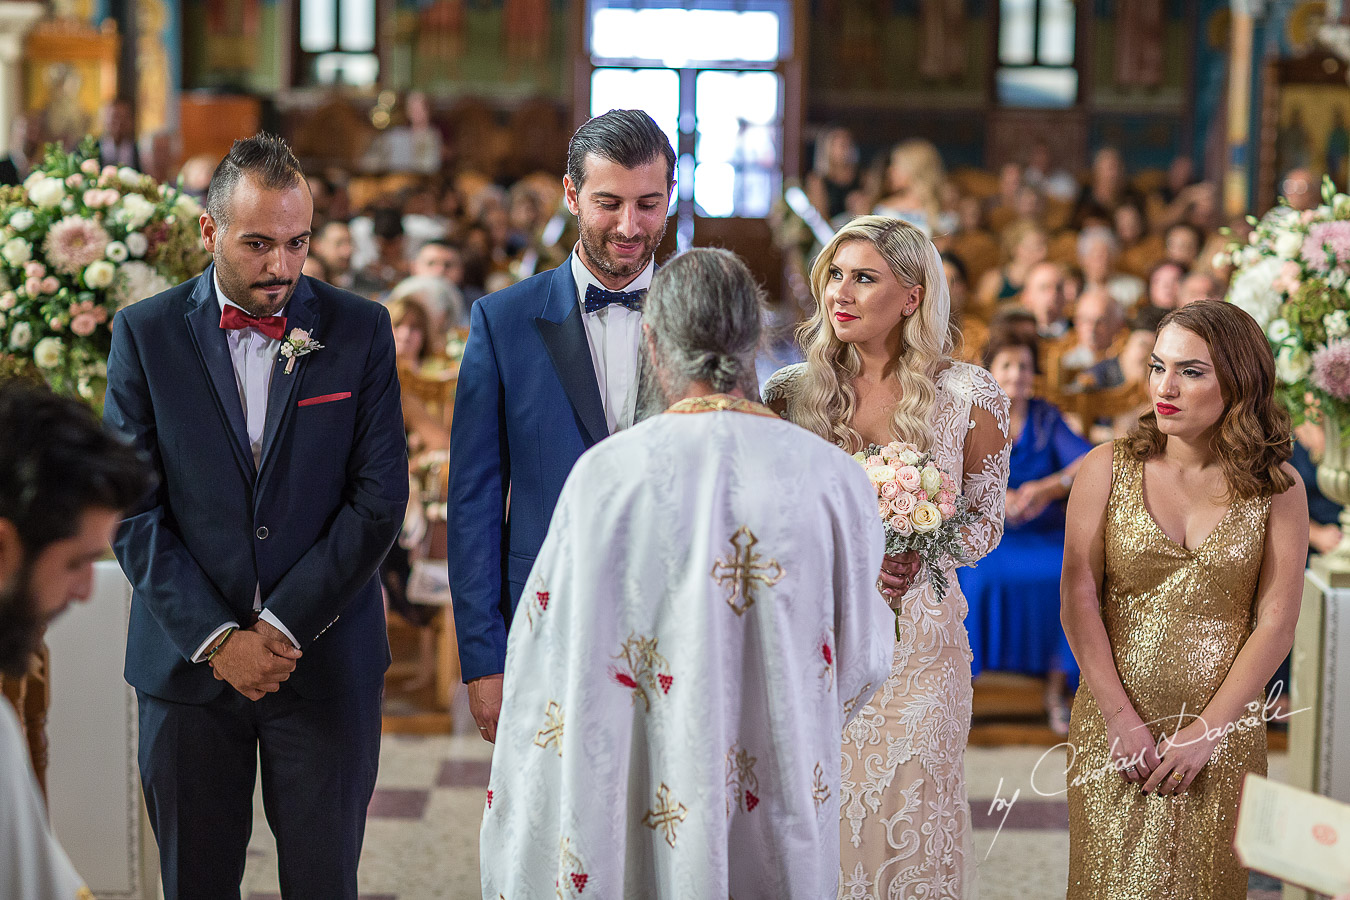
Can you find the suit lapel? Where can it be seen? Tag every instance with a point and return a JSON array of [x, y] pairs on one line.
[[564, 337], [203, 322], [300, 313]]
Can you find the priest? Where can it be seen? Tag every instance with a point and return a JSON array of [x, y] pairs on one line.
[[701, 623]]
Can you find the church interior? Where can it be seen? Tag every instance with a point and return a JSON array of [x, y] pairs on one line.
[[1057, 151]]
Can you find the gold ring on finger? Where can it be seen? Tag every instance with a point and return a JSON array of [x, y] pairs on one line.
[[1177, 776]]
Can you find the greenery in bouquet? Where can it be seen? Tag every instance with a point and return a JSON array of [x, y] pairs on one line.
[[1291, 277], [79, 241]]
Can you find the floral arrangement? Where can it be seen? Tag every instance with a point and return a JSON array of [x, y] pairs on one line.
[[78, 242], [1291, 277], [919, 506]]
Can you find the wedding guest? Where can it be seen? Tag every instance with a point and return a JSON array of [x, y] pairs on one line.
[[1106, 189], [443, 262], [1131, 364], [117, 146], [1014, 592], [1096, 322], [1043, 296], [1139, 250], [914, 181], [835, 173], [1164, 285], [1098, 251], [1181, 244], [25, 149], [1183, 572], [1198, 286], [63, 485], [256, 633], [549, 370], [1024, 246], [331, 245], [879, 369], [717, 699]]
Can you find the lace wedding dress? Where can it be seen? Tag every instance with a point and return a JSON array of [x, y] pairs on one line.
[[904, 816]]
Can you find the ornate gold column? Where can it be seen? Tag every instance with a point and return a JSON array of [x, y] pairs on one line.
[[1240, 149], [16, 18]]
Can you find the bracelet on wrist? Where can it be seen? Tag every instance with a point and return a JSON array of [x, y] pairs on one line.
[[1119, 710], [225, 636]]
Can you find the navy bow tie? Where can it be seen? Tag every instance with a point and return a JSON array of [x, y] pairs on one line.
[[598, 298]]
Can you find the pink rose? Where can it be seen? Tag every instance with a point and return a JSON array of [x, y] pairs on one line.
[[109, 172], [889, 489], [901, 525], [34, 269], [83, 324], [909, 477], [889, 452], [56, 324], [947, 509], [33, 286], [89, 167], [948, 483], [945, 496], [74, 181], [1307, 216], [874, 461], [50, 285], [884, 509], [903, 505]]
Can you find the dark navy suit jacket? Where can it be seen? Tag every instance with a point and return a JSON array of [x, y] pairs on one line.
[[527, 406], [309, 527]]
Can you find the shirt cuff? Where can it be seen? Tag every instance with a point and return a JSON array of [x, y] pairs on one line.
[[200, 655], [266, 616]]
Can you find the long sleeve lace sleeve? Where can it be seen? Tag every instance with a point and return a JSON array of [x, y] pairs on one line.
[[985, 469]]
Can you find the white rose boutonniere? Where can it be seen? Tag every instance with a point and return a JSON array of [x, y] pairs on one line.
[[298, 343]]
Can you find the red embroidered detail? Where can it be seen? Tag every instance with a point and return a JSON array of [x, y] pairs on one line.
[[751, 801], [666, 682], [489, 799], [579, 879], [625, 679], [826, 652], [542, 597]]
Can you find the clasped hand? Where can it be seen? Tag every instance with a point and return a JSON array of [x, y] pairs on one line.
[[898, 573], [255, 660]]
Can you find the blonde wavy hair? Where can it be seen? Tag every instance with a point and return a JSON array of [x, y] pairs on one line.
[[827, 400]]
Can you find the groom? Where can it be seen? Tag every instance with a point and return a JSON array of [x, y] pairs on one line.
[[550, 369], [269, 404]]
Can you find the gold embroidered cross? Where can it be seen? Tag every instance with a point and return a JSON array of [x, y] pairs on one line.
[[552, 731], [666, 815], [742, 569]]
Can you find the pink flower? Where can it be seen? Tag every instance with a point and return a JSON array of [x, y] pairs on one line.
[[1331, 369], [889, 452], [901, 525], [50, 285], [909, 477], [948, 483], [947, 509], [56, 324], [89, 167], [1327, 245], [1288, 280], [84, 324], [33, 287], [89, 308], [889, 489], [874, 461], [95, 198], [34, 269], [73, 243], [74, 181], [109, 172], [946, 496], [903, 505], [884, 508]]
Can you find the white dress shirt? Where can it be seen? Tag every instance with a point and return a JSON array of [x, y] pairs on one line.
[[615, 338], [254, 356]]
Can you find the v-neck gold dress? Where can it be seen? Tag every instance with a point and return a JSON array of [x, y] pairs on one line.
[[1176, 619]]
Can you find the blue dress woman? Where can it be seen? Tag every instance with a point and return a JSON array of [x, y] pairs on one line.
[[1014, 592]]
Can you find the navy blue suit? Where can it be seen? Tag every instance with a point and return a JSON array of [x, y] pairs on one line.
[[526, 408], [308, 529]]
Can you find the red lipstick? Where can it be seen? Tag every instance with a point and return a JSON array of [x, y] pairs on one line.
[[1166, 409], [842, 316]]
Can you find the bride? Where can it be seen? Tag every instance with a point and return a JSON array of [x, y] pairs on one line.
[[879, 369]]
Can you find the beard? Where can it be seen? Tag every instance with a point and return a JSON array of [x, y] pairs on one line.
[[596, 243], [20, 625], [238, 289]]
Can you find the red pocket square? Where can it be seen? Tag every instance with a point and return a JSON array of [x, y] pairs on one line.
[[325, 398]]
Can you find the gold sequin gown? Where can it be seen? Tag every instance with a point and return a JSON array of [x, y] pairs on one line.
[[1176, 619]]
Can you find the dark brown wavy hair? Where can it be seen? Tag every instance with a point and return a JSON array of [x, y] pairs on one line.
[[1254, 436]]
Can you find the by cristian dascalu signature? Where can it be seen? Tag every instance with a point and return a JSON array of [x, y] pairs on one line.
[[1257, 716]]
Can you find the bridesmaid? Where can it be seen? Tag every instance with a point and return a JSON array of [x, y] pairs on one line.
[[1183, 568]]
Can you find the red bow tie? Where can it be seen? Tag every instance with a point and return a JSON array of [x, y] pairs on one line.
[[234, 318]]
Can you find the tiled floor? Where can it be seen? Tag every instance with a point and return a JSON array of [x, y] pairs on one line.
[[422, 837]]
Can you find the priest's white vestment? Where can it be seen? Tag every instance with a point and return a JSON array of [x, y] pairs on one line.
[[700, 624], [32, 864]]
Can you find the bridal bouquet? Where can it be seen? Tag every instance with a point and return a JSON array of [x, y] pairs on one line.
[[78, 241], [919, 506], [1291, 277]]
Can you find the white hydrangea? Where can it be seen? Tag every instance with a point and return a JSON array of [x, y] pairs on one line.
[[47, 193], [47, 353], [1252, 292], [1292, 364], [135, 281], [1337, 324], [20, 336], [137, 244], [17, 251], [135, 211], [21, 220]]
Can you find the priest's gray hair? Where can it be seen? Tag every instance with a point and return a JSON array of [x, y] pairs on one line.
[[704, 310]]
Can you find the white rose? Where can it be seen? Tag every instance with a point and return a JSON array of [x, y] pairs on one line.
[[925, 518], [20, 336], [129, 176], [48, 193], [909, 457], [1252, 291], [137, 244], [1288, 244], [99, 274], [21, 220], [1278, 330], [930, 480], [135, 210], [1337, 324], [1292, 364], [17, 251], [47, 353], [117, 251], [878, 474], [33, 178]]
